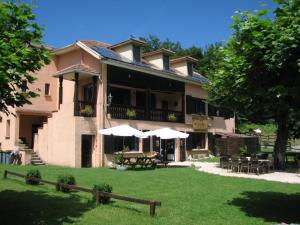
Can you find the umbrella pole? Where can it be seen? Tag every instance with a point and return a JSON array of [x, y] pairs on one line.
[[123, 143]]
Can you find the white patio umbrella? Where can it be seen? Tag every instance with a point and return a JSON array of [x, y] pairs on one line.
[[123, 131], [166, 133]]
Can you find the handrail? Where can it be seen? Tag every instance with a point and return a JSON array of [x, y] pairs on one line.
[[98, 194]]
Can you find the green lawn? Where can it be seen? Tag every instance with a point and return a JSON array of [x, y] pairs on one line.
[[187, 196]]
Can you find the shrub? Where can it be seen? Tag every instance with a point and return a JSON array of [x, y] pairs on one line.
[[33, 173], [105, 188], [118, 158], [172, 117], [66, 179], [131, 113]]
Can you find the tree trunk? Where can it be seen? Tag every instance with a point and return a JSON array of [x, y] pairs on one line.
[[280, 143]]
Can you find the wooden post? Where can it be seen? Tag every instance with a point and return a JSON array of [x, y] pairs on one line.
[[152, 208], [95, 79], [76, 106], [60, 91], [97, 197], [5, 174], [57, 187]]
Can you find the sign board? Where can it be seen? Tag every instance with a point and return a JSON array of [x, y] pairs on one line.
[[200, 123]]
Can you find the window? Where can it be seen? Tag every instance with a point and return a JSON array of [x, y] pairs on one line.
[[0, 119], [136, 54], [146, 143], [166, 62], [47, 89], [195, 105], [115, 143], [190, 68], [7, 129], [120, 96], [88, 92], [140, 99], [195, 141]]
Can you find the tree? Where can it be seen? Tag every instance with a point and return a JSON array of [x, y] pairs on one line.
[[21, 54], [259, 75]]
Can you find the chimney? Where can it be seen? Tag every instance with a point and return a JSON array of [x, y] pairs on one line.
[[130, 49], [184, 65], [159, 58]]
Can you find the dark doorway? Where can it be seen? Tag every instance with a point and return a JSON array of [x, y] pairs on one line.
[[34, 130], [168, 149], [86, 150], [182, 150]]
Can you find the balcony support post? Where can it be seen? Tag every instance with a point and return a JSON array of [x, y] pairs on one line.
[[60, 91], [76, 103], [95, 79]]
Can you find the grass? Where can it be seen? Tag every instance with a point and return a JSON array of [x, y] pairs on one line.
[[187, 196]]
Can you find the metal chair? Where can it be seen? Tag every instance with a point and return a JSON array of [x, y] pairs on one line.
[[244, 165], [256, 166], [235, 164]]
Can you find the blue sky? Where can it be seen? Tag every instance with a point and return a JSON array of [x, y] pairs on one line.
[[191, 22]]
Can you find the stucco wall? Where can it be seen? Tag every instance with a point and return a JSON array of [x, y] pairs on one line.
[[156, 60], [181, 67], [125, 51], [8, 143]]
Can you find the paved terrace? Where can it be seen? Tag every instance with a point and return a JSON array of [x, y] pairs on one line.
[[214, 168]]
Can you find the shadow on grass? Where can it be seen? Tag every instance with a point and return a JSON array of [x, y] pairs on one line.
[[35, 208], [271, 206]]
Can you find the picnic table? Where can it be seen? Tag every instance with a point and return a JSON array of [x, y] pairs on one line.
[[142, 161]]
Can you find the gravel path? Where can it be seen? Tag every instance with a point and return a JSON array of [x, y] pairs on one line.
[[214, 168]]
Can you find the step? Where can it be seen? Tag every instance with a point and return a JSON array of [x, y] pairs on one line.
[[38, 164]]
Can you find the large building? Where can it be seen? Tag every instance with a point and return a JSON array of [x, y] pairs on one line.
[[90, 85]]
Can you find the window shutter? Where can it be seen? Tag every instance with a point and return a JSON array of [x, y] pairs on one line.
[[188, 104], [136, 54], [166, 62]]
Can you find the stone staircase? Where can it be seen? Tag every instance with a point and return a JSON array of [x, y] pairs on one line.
[[36, 160]]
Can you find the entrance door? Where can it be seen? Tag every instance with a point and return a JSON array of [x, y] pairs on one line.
[[86, 150], [182, 150], [168, 149], [34, 130]]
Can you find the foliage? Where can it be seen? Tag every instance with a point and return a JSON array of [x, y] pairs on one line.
[[267, 129], [33, 173], [172, 117], [118, 158], [66, 179], [259, 75], [103, 188], [131, 113], [21, 54], [87, 110]]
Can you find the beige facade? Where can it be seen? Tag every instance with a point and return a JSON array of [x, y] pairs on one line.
[[62, 125]]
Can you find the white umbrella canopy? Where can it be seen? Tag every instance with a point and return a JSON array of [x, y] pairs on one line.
[[166, 133], [122, 130]]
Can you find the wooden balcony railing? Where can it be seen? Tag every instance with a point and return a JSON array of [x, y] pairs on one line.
[[137, 113]]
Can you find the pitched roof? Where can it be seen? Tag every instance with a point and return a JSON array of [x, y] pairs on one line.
[[159, 51], [93, 43], [77, 68]]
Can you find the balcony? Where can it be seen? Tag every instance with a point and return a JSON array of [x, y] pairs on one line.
[[138, 113]]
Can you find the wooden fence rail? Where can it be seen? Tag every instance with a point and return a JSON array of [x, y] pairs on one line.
[[152, 204]]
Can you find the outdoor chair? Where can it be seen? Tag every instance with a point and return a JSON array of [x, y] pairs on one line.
[[235, 164], [225, 162], [244, 165], [256, 166]]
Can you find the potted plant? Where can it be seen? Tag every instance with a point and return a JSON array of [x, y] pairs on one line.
[[172, 117], [131, 113], [65, 179], [34, 173], [118, 161], [103, 188], [87, 110]]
